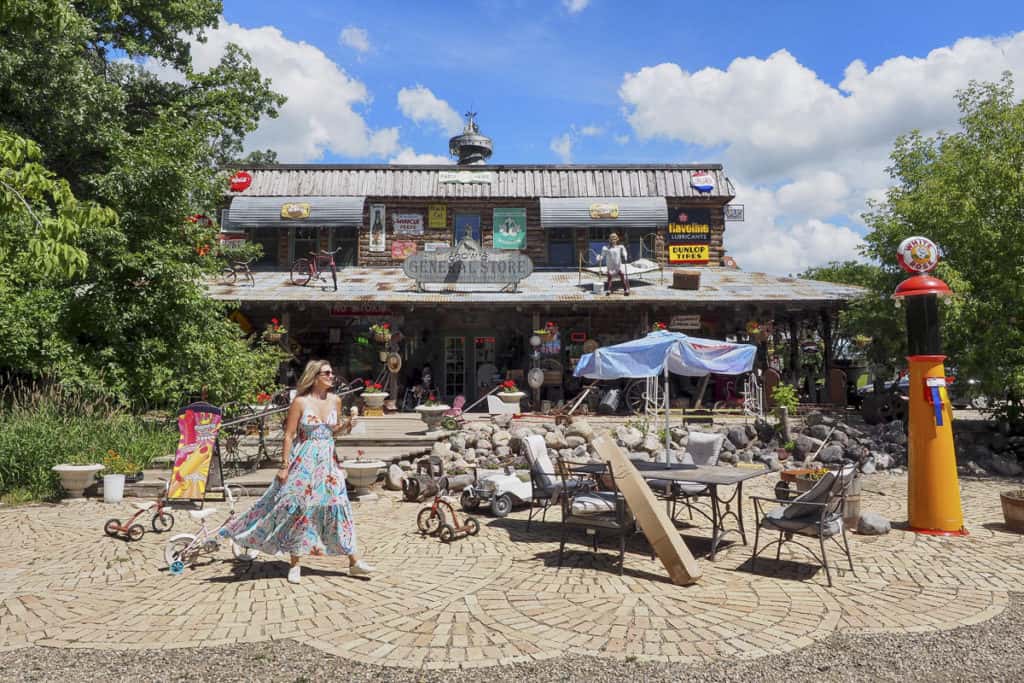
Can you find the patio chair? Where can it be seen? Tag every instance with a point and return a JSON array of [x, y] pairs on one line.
[[815, 512], [701, 449], [547, 485], [596, 512]]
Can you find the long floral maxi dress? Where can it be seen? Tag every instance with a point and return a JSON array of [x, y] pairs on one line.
[[310, 513]]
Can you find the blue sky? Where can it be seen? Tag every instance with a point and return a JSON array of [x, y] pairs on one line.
[[801, 102]]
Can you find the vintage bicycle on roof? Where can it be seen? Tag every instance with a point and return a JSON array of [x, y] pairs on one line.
[[306, 269], [237, 271]]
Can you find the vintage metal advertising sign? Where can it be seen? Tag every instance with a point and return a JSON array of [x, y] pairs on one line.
[[378, 228], [690, 237], [437, 216], [509, 228], [407, 223], [295, 210], [402, 249], [468, 263], [603, 210], [466, 177]]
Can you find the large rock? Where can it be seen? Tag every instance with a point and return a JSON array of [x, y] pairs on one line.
[[442, 449], [393, 480], [555, 440], [501, 438], [484, 429], [728, 446], [629, 437], [579, 453], [581, 428], [814, 418], [679, 434], [574, 441], [831, 454], [804, 445], [819, 431], [483, 445], [873, 524], [1000, 464], [750, 430], [458, 442], [771, 460], [765, 430], [470, 456], [738, 437], [502, 452], [729, 458], [868, 466], [840, 437], [651, 444]]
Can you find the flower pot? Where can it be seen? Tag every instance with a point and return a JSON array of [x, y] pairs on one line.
[[133, 478], [272, 337], [359, 476], [782, 454], [113, 488], [511, 396], [432, 415], [74, 479], [374, 400], [1013, 509]]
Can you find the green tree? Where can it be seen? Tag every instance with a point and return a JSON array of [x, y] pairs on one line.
[[115, 298], [965, 191]]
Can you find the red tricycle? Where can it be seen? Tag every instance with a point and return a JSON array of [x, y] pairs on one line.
[[162, 520], [440, 518]]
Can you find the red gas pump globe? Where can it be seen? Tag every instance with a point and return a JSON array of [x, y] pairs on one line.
[[917, 255]]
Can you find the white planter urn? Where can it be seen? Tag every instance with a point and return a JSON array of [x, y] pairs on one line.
[[75, 479], [432, 415], [511, 396], [375, 400], [359, 476]]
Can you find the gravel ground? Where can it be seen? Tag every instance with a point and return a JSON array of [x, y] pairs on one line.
[[991, 651]]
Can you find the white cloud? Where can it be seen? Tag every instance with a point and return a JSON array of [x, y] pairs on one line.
[[320, 115], [622, 139], [356, 38], [575, 6], [591, 131], [408, 156], [817, 150], [562, 146], [420, 104]]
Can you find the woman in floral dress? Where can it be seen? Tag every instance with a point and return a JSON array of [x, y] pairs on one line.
[[306, 510]]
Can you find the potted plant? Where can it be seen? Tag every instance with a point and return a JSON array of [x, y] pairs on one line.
[[785, 450], [432, 412], [373, 394], [806, 480], [360, 475], [1013, 509], [274, 331], [75, 479], [659, 327], [509, 392], [381, 332]]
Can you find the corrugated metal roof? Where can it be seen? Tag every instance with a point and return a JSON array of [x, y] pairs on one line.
[[265, 212], [508, 181], [391, 286], [596, 212]]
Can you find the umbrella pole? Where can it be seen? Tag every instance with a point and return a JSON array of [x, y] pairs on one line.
[[668, 442]]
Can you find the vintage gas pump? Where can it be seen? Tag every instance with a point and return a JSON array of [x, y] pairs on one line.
[[933, 489]]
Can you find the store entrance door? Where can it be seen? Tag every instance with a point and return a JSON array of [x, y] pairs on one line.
[[485, 372]]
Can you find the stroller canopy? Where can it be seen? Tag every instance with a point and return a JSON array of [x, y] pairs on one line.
[[680, 354]]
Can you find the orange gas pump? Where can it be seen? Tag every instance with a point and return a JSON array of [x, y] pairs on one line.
[[933, 487]]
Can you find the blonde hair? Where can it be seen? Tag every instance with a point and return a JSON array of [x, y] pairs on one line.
[[309, 375]]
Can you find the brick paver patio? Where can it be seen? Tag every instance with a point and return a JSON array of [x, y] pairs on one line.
[[497, 597]]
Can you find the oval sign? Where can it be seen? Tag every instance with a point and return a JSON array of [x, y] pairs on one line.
[[702, 181], [917, 255], [241, 181]]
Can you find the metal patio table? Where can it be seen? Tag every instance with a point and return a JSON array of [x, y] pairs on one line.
[[711, 476]]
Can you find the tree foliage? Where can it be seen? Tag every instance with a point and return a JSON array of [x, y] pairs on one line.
[[965, 191], [101, 280]]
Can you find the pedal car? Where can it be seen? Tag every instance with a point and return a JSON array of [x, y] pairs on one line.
[[498, 490]]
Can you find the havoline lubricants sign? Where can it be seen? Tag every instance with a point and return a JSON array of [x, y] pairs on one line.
[[689, 237]]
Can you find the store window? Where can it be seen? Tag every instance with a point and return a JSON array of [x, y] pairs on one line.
[[304, 241], [561, 248], [632, 239], [268, 239], [347, 239]]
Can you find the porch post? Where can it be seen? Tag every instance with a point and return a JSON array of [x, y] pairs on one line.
[[826, 336]]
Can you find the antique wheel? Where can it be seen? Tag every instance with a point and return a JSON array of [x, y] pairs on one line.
[[447, 533], [502, 505], [472, 526], [301, 272], [228, 275], [112, 527], [470, 503], [136, 532], [163, 522], [636, 397], [429, 521]]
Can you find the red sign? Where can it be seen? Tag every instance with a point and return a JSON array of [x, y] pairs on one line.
[[241, 181], [357, 310]]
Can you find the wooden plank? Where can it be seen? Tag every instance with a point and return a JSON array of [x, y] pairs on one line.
[[650, 514]]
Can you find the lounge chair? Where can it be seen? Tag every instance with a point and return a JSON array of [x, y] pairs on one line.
[[597, 512]]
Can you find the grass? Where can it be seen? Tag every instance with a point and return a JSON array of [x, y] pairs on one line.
[[43, 428]]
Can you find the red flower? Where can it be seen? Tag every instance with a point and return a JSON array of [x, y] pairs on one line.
[[274, 320], [262, 397], [377, 385], [386, 326], [431, 398], [368, 383]]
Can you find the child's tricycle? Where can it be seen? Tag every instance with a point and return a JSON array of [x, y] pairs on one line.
[[440, 518], [162, 520]]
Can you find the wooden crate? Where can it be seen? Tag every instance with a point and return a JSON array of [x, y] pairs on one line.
[[686, 279]]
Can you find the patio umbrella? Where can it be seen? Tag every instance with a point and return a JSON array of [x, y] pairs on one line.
[[661, 353]]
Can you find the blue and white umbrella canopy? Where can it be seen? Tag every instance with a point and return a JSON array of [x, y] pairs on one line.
[[680, 354]]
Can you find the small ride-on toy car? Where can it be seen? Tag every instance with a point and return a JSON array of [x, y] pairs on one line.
[[498, 490]]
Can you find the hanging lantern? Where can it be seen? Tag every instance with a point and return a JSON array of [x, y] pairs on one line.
[[241, 181]]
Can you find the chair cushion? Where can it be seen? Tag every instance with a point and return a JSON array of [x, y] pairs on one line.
[[668, 487], [604, 521], [816, 494], [593, 503], [540, 463], [704, 448], [807, 526]]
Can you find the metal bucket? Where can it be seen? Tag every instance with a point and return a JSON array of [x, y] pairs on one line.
[[610, 403]]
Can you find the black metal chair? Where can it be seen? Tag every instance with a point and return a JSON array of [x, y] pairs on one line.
[[596, 512], [816, 512]]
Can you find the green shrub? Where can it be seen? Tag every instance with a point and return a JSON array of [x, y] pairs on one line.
[[40, 429], [784, 396]]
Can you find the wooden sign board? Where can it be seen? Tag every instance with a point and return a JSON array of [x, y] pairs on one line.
[[650, 515]]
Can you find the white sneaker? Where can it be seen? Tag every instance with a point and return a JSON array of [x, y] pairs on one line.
[[361, 568], [295, 574]]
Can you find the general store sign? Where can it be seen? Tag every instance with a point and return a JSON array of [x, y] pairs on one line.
[[688, 253], [407, 223], [360, 310], [466, 177], [684, 322], [467, 263]]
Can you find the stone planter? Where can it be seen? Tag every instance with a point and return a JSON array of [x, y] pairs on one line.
[[359, 476], [511, 396], [1013, 509], [74, 479], [432, 415], [375, 400]]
